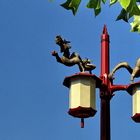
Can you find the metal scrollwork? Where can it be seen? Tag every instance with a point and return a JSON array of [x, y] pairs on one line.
[[135, 72]]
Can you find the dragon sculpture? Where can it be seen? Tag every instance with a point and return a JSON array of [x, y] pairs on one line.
[[69, 59]]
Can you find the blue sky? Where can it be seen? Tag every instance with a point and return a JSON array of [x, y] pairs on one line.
[[33, 101]]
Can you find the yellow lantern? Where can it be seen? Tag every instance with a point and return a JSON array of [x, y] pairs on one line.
[[82, 97], [134, 90]]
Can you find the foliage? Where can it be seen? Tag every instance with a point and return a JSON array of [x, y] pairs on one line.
[[135, 25], [129, 9]]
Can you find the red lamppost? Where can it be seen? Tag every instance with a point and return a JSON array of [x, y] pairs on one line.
[[82, 88], [107, 88]]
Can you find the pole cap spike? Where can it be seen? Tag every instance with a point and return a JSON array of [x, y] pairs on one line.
[[105, 30]]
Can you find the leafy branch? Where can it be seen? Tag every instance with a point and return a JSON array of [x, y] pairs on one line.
[[130, 8]]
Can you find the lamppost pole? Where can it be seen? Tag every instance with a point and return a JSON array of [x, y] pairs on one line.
[[105, 94]]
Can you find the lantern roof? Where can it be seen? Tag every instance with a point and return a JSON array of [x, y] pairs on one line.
[[131, 87], [67, 80]]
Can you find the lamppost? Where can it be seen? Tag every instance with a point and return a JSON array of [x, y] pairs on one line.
[[82, 85]]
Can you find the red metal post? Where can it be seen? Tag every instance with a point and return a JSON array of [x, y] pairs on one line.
[[105, 52], [105, 93]]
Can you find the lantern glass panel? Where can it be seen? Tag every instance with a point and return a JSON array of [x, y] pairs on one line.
[[136, 100], [82, 92]]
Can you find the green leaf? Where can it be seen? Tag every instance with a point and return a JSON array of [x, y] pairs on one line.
[[97, 10], [123, 15], [125, 3], [135, 25], [71, 5], [135, 10], [113, 2], [96, 5], [92, 4], [104, 1], [66, 4]]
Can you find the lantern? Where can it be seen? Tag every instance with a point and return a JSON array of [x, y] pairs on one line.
[[134, 90], [82, 97]]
